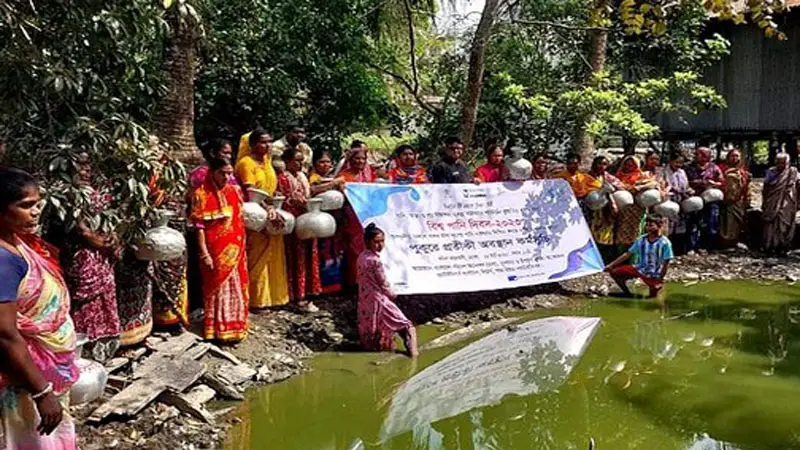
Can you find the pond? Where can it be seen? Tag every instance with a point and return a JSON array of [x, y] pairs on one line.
[[713, 366]]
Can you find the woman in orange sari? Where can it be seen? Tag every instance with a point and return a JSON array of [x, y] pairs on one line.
[[216, 213], [407, 169], [634, 180], [355, 170], [736, 185]]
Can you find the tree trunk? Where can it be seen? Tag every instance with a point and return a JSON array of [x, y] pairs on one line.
[[629, 145], [477, 57], [583, 144], [173, 120]]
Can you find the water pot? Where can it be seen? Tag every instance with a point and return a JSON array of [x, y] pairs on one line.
[[315, 223], [161, 243], [288, 218], [255, 216], [518, 167]]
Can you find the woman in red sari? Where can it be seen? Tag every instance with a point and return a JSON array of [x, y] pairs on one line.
[[494, 170], [302, 256], [216, 214], [355, 170]]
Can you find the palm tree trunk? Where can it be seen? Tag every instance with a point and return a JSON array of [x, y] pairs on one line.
[[173, 120], [477, 59]]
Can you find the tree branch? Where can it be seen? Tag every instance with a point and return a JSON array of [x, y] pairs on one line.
[[412, 45], [409, 87], [563, 26]]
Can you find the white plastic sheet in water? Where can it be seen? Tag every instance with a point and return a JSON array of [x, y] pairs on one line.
[[534, 357], [706, 442]]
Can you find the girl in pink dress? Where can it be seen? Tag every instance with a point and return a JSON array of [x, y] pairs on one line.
[[379, 318]]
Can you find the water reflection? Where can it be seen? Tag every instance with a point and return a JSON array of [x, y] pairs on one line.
[[534, 357], [652, 378]]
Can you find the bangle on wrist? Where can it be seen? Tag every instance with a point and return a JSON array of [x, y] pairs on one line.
[[47, 389]]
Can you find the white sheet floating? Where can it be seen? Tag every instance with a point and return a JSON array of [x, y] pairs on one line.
[[534, 357], [706, 442]]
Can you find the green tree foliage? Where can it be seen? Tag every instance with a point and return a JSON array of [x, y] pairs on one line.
[[536, 91], [81, 77], [271, 62]]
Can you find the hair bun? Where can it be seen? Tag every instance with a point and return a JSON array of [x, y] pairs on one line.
[[371, 226]]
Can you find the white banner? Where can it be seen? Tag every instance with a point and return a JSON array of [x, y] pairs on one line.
[[462, 238]]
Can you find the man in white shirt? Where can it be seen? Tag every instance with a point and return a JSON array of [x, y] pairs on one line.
[[294, 137]]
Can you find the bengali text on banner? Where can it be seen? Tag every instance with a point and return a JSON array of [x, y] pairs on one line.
[[444, 238]]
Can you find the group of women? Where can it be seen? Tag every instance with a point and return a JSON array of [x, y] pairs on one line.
[[239, 270], [718, 225]]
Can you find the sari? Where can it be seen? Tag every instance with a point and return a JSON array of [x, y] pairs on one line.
[[44, 322], [704, 225], [489, 173], [677, 187], [408, 175], [170, 288], [736, 187], [90, 275], [302, 256], [581, 183], [602, 223], [780, 207], [218, 212], [134, 299], [266, 259], [331, 250], [629, 221], [379, 318], [352, 232]]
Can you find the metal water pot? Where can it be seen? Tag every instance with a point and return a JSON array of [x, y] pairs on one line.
[[623, 199], [315, 223], [255, 216], [712, 195], [648, 198], [667, 209], [692, 204], [92, 379], [161, 243], [288, 218], [518, 167], [331, 200], [596, 200]]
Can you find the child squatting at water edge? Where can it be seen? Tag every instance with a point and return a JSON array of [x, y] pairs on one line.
[[652, 252]]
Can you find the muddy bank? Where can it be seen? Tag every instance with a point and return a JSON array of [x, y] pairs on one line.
[[282, 340]]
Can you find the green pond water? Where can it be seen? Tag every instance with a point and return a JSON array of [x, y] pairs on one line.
[[718, 360]]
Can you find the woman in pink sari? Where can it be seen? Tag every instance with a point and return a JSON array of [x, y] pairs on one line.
[[37, 337], [355, 170], [379, 318], [494, 170]]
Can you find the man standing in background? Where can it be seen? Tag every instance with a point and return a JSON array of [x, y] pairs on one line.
[[295, 137]]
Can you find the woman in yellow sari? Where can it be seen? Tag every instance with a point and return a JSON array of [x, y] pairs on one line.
[[266, 261]]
